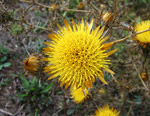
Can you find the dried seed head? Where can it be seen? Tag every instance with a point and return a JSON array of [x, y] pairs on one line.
[[107, 17], [31, 64]]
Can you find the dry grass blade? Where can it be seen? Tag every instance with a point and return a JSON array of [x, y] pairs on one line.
[[140, 77]]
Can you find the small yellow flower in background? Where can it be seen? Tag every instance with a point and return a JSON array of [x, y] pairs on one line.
[[102, 6], [79, 94], [81, 6], [102, 91], [31, 64], [107, 17], [143, 38], [144, 76], [53, 7], [106, 111], [77, 55]]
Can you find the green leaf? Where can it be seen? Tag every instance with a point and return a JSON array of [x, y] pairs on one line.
[[1, 66], [25, 82], [32, 89], [38, 13], [36, 112], [144, 1], [125, 32], [70, 111], [41, 24], [59, 92], [46, 89], [3, 59], [7, 64], [132, 15], [22, 95], [4, 50], [138, 20], [33, 98], [34, 81], [16, 29]]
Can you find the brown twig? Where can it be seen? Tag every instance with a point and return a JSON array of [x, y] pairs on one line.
[[31, 25], [94, 7], [115, 10], [76, 10], [131, 35], [65, 105], [19, 110], [45, 6], [114, 78], [130, 109], [5, 112], [140, 77]]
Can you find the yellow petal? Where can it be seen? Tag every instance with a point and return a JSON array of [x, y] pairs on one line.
[[111, 52], [107, 46], [67, 25], [101, 77], [90, 26], [53, 37], [108, 70], [73, 25], [45, 59]]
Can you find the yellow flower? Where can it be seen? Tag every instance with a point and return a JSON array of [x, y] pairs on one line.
[[102, 91], [106, 111], [31, 64], [81, 6], [77, 55], [79, 94], [144, 75], [53, 7], [143, 38]]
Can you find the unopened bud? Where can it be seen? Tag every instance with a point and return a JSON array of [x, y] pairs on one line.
[[107, 17]]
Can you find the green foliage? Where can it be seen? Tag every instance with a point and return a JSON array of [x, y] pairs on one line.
[[125, 32], [73, 4], [38, 13], [36, 112], [5, 82], [140, 1], [39, 45], [144, 1], [41, 24], [6, 15], [3, 57], [137, 98], [107, 77], [132, 15], [138, 19], [70, 111], [120, 50], [35, 92], [16, 29]]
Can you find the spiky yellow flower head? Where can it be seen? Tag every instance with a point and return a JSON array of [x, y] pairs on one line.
[[77, 55], [106, 111], [79, 94], [143, 38], [31, 64]]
